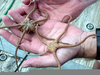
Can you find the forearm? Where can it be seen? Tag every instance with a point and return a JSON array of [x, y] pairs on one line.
[[89, 47]]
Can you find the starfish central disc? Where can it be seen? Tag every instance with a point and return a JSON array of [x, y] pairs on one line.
[[52, 46]]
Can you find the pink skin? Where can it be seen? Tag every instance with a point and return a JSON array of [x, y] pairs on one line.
[[32, 44], [57, 9]]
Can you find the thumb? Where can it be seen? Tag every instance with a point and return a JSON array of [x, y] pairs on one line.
[[38, 62]]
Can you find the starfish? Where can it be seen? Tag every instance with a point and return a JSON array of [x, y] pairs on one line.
[[54, 45], [26, 26]]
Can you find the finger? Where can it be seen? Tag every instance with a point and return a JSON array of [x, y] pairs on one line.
[[28, 9], [26, 1], [36, 15], [16, 16], [48, 60], [19, 33], [20, 10], [25, 44], [40, 62], [13, 39], [7, 21]]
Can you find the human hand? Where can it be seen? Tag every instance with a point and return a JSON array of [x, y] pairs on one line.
[[29, 43], [32, 44], [57, 9]]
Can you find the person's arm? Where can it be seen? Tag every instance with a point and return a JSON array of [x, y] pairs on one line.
[[89, 47]]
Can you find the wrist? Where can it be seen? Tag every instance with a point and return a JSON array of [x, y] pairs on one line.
[[89, 47]]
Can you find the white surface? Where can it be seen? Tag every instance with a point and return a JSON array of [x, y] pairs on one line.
[[2, 4]]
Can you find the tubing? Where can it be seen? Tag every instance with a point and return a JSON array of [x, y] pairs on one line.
[[21, 62]]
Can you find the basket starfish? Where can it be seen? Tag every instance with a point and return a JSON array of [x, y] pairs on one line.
[[26, 26], [54, 45]]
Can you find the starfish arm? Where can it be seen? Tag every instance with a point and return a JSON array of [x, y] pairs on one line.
[[56, 58], [52, 39], [46, 37], [18, 46], [64, 46], [42, 19], [64, 43], [65, 16], [39, 36], [65, 28], [30, 2], [32, 10], [16, 25]]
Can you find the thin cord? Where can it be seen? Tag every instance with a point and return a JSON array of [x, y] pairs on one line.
[[21, 62]]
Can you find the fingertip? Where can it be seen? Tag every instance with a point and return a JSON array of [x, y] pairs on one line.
[[6, 20], [2, 31], [25, 64], [26, 2], [20, 10], [10, 12], [4, 17], [9, 36], [17, 17]]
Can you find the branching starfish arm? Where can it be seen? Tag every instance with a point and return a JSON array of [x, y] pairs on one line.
[[55, 56], [46, 37], [64, 46], [42, 19], [18, 46], [32, 10], [52, 39], [39, 36], [64, 43], [65, 28], [10, 26], [30, 2], [65, 16]]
